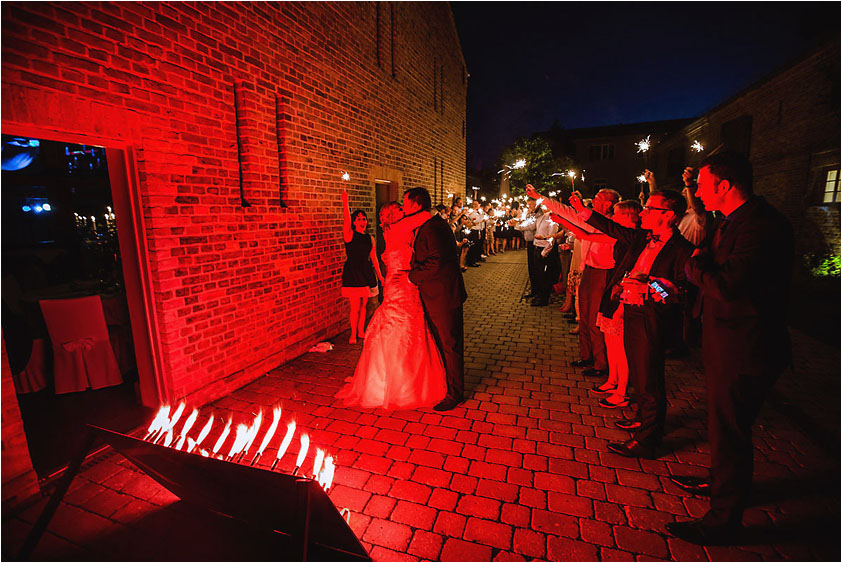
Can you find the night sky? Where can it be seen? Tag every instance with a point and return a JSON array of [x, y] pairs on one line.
[[597, 63]]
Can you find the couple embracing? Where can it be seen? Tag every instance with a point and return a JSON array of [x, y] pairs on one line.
[[413, 354]]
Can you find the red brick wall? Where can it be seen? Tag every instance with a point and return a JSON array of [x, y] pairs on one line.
[[240, 290]]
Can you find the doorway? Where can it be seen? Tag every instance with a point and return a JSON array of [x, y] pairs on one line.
[[60, 245]]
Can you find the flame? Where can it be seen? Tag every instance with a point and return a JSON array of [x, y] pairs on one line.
[[168, 438], [302, 452], [161, 419], [520, 163], [191, 420], [643, 144], [697, 146], [276, 419], [326, 478], [253, 430], [204, 453], [571, 173], [317, 463], [176, 416], [191, 443], [222, 437], [240, 439], [282, 449], [205, 431], [641, 179]]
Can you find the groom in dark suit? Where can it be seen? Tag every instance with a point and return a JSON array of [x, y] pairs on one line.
[[435, 270]]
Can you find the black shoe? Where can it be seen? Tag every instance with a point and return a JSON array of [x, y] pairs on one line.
[[632, 448], [694, 531], [596, 388], [694, 485], [627, 424], [530, 295], [449, 403], [473, 265], [581, 363], [591, 372], [570, 316]]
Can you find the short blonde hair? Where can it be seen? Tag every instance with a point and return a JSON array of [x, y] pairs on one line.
[[390, 214]]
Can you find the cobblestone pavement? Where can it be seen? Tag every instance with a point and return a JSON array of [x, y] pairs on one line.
[[519, 472]]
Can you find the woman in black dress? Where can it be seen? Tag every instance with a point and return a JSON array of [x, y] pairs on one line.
[[361, 270]]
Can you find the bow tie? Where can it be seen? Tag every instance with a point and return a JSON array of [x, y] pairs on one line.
[[653, 238]]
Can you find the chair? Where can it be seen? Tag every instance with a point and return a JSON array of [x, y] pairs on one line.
[[82, 355]]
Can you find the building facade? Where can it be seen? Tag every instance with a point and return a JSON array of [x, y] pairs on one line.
[[788, 124], [228, 128]]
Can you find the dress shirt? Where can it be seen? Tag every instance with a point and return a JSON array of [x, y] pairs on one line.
[[599, 255], [527, 226], [692, 227], [477, 217], [544, 226], [643, 265]]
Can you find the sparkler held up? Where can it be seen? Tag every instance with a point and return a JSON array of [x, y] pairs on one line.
[[643, 146]]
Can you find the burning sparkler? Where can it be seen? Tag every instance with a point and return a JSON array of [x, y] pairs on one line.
[[643, 144], [222, 437], [346, 176], [186, 428], [697, 146]]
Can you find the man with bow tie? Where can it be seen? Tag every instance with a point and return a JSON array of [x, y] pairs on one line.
[[648, 281]]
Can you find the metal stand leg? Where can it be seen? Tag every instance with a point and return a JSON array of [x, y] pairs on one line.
[[304, 486], [52, 505]]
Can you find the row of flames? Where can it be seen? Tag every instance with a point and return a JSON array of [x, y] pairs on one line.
[[163, 431]]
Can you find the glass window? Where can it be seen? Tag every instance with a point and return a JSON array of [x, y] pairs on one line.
[[831, 187]]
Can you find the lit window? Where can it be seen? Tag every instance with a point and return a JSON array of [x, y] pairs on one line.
[[831, 187]]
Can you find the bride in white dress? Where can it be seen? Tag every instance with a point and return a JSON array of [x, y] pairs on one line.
[[400, 366]]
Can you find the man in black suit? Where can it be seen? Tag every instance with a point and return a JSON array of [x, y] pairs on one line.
[[435, 270], [656, 253], [744, 276]]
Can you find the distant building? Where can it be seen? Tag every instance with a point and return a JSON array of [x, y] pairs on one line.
[[609, 155], [789, 126]]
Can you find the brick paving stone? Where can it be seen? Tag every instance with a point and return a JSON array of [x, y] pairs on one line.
[[515, 514], [639, 541], [529, 543], [566, 549], [525, 455], [415, 515], [426, 545], [450, 524], [488, 532], [388, 534], [458, 550]]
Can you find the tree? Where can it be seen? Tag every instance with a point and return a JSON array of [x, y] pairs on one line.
[[539, 167]]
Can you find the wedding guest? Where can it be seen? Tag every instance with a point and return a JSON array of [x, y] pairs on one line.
[[477, 227], [744, 275], [546, 260], [599, 263], [462, 242], [648, 279], [490, 221], [517, 237], [526, 226], [361, 269]]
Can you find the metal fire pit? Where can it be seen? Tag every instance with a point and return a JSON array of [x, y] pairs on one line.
[[283, 505]]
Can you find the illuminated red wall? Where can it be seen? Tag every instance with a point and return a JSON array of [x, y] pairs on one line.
[[239, 290]]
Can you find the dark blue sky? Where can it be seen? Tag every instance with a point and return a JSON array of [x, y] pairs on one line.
[[598, 63]]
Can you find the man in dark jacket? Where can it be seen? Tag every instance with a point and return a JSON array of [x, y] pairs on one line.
[[744, 276], [648, 280], [435, 270]]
